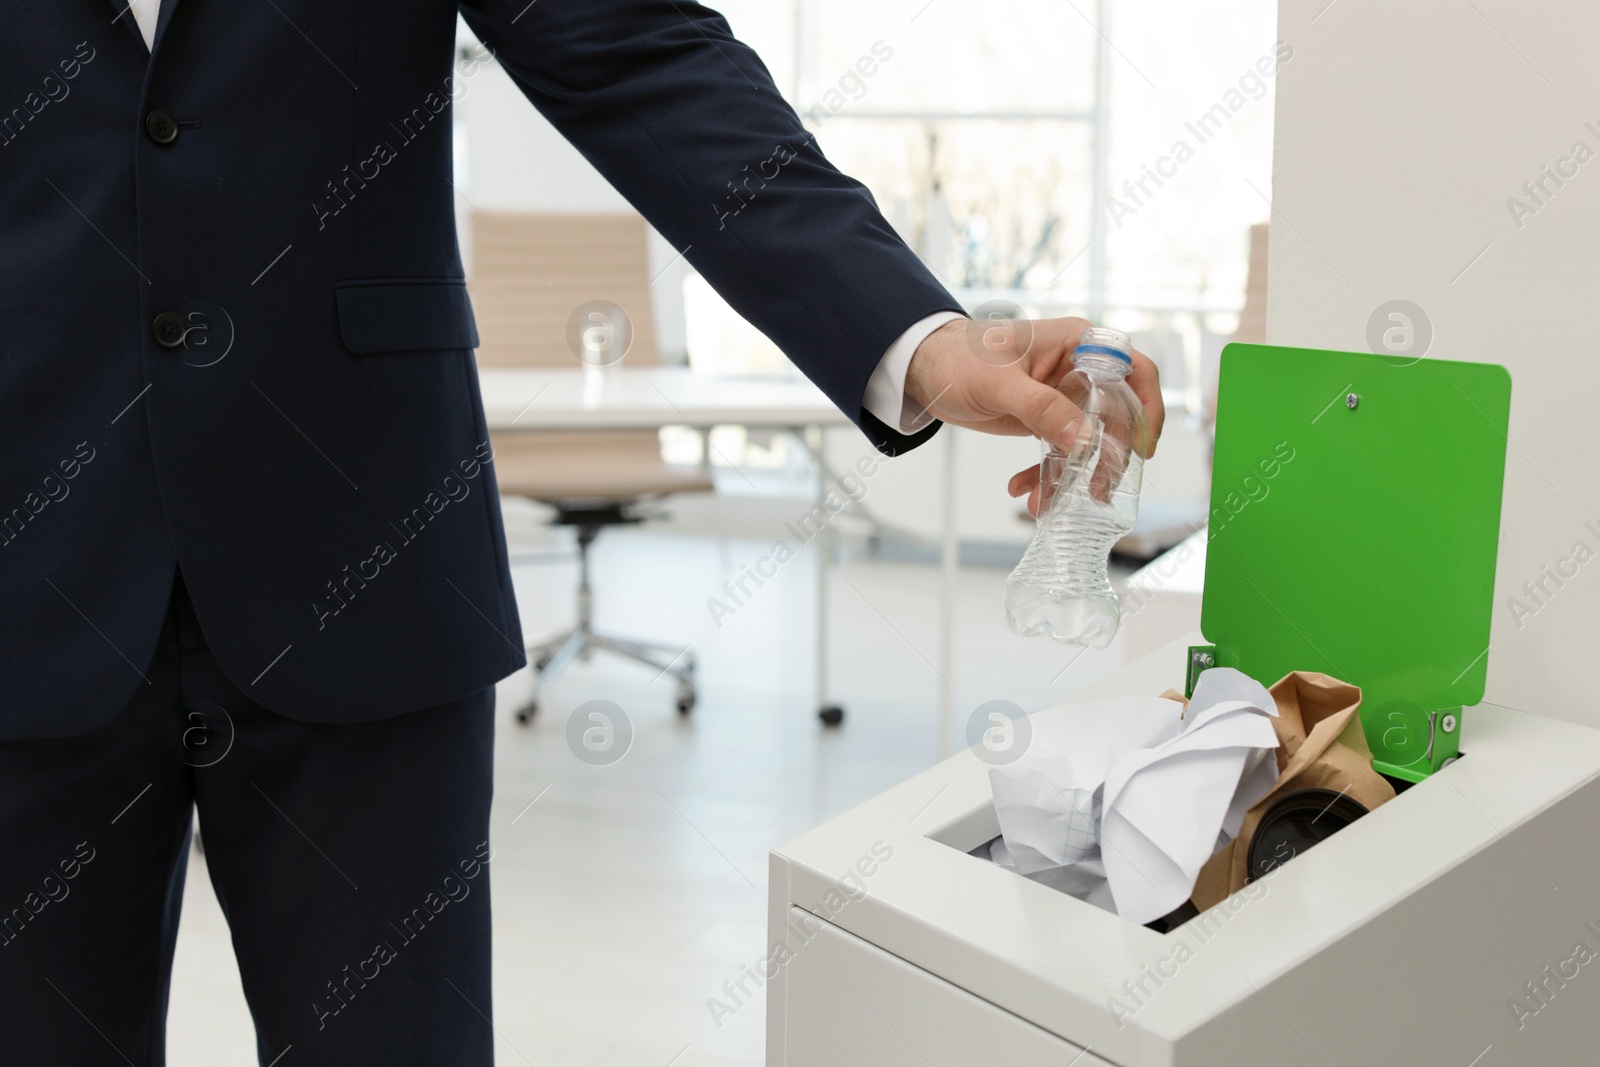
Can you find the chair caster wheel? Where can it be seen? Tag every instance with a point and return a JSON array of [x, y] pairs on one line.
[[686, 700], [525, 714], [832, 715]]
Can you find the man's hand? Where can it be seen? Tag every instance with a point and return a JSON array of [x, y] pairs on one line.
[[1000, 376]]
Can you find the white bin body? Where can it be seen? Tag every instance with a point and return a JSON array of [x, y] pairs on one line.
[[1451, 926]]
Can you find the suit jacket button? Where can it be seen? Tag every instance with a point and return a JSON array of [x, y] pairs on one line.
[[168, 329], [161, 126]]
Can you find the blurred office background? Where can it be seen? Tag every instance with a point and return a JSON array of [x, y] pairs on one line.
[[630, 898]]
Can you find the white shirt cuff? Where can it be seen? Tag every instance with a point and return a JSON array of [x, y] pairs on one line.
[[886, 389]]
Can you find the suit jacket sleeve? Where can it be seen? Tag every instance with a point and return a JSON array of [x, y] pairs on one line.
[[686, 122]]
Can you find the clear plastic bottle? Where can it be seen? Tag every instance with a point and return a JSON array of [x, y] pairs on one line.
[[1089, 501]]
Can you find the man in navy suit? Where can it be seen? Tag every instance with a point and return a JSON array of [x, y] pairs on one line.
[[250, 544]]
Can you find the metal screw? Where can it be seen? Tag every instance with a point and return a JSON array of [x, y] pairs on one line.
[[1449, 724], [1351, 401]]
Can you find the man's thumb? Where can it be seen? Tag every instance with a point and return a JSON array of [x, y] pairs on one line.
[[1042, 409]]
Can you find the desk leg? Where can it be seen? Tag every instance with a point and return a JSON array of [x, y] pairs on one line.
[[831, 714], [949, 559]]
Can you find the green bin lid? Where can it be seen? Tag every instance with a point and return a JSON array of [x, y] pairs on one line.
[[1355, 515]]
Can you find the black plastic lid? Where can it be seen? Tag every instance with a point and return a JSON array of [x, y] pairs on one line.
[[1296, 821]]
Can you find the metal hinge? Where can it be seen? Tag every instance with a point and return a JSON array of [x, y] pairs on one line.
[[1201, 658]]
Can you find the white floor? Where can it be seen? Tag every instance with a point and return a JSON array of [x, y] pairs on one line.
[[626, 895]]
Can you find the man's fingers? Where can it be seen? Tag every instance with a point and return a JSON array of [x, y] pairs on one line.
[[1113, 462], [1023, 481], [1029, 483], [1145, 381]]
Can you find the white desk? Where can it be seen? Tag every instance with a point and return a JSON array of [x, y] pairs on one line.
[[639, 398], [647, 398]]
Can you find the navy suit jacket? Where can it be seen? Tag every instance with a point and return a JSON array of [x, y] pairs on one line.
[[235, 340]]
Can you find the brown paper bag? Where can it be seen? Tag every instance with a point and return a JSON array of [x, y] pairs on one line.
[[1320, 745]]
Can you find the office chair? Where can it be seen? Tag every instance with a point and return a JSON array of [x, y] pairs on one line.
[[531, 273]]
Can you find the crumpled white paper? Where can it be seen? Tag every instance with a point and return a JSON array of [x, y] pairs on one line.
[[1121, 802]]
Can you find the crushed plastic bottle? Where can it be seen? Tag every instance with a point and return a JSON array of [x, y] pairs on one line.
[[1090, 500]]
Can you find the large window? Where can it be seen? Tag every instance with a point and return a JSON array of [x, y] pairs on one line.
[[976, 123]]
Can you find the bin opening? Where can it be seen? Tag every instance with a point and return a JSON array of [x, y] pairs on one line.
[[976, 832]]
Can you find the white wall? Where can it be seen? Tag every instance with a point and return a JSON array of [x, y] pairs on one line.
[[1403, 129]]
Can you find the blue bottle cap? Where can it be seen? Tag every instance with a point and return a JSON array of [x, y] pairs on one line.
[[1105, 342]]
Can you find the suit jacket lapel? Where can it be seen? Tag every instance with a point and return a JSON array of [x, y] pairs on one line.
[[167, 7], [125, 16]]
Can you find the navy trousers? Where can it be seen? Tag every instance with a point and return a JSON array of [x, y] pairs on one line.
[[352, 862]]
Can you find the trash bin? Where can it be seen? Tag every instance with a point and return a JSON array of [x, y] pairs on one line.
[[1359, 501]]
